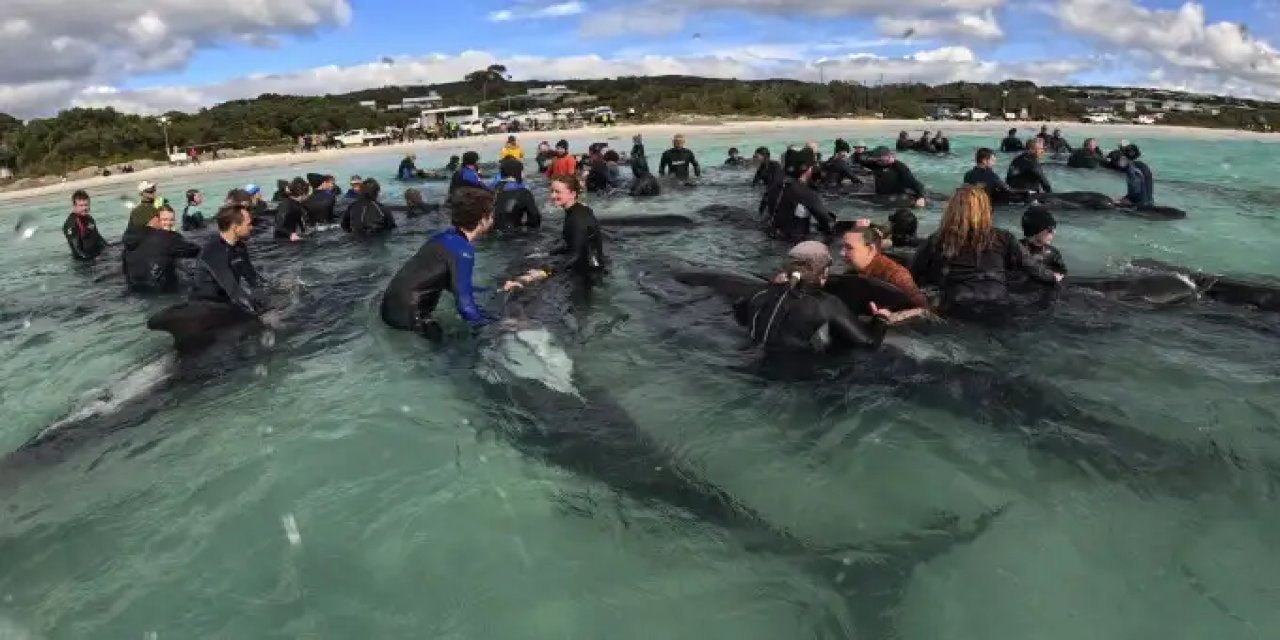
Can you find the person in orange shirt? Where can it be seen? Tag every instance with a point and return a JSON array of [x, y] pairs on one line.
[[563, 164], [861, 249]]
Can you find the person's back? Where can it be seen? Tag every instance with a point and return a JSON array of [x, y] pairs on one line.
[[1025, 174], [150, 259], [367, 216], [516, 207], [320, 207], [1084, 158], [1140, 185], [802, 318], [1012, 144], [797, 205], [978, 276], [598, 175]]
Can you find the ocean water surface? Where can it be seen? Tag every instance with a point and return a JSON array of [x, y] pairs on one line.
[[349, 481]]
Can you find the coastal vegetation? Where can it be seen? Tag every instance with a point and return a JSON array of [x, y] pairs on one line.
[[78, 138]]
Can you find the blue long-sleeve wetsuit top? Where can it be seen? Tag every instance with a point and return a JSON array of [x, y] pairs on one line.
[[445, 263]]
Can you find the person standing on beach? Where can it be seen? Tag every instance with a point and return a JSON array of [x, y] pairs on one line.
[[81, 230]]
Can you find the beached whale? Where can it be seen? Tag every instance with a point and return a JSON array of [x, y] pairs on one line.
[[550, 413]]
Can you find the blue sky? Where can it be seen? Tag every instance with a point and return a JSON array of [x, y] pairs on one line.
[[159, 54]]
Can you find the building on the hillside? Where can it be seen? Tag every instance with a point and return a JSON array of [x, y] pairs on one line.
[[430, 101], [550, 93], [370, 104], [5, 173]]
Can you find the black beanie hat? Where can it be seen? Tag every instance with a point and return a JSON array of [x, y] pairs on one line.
[[511, 168], [563, 144], [470, 157], [315, 180], [1132, 152], [798, 162], [1037, 219], [763, 152]]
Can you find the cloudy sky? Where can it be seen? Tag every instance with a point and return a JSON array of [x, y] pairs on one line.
[[155, 55]]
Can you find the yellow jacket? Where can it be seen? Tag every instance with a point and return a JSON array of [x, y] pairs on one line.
[[511, 151]]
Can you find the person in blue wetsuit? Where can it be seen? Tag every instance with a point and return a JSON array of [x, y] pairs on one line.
[[445, 263], [408, 169], [468, 175]]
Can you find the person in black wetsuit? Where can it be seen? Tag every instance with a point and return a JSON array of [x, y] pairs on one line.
[[1139, 182], [905, 143], [903, 227], [367, 216], [983, 173], [925, 143], [515, 206], [1025, 173], [408, 169], [678, 159], [81, 230], [797, 202], [1038, 227], [1044, 136], [797, 316], [414, 207], [895, 178], [643, 182], [735, 159], [192, 219], [768, 171], [1088, 156], [223, 271], [445, 263], [968, 260], [282, 191], [290, 222], [150, 255], [1012, 143], [321, 206], [582, 250], [941, 144], [1058, 144], [838, 169]]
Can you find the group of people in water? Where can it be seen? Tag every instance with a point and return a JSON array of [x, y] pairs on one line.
[[967, 268]]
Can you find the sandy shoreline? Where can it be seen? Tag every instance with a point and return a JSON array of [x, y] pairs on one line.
[[882, 130]]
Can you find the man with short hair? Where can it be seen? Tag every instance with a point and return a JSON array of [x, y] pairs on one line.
[[224, 272], [1088, 156], [983, 173], [81, 230], [1025, 173], [678, 159], [893, 178]]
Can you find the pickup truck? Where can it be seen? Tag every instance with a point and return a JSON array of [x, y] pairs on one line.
[[358, 137]]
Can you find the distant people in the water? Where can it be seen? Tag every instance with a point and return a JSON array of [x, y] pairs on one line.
[[446, 262], [320, 207], [353, 185], [1120, 158], [678, 160], [1057, 144], [1012, 143], [511, 150], [192, 219], [735, 159], [941, 143], [545, 156], [905, 143], [1088, 156], [408, 169], [81, 230], [151, 254]]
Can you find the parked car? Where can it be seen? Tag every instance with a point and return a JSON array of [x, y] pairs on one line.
[[976, 115], [358, 137], [1144, 119]]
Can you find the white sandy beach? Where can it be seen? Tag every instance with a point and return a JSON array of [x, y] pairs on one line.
[[855, 130]]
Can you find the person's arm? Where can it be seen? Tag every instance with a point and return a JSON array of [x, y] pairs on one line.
[[1055, 262], [74, 240], [533, 217], [183, 248], [1045, 187], [1016, 258], [848, 331], [910, 182], [664, 162], [462, 268], [345, 223], [693, 160], [818, 210], [901, 278], [577, 245], [922, 267], [761, 173]]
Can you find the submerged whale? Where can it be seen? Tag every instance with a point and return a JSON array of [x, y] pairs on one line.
[[1255, 292], [548, 412]]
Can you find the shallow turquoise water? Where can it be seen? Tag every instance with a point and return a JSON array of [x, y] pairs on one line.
[[413, 520]]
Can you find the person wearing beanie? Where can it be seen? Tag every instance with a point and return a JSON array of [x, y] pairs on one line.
[[793, 314], [367, 216], [563, 164], [893, 178], [1038, 227], [678, 159], [797, 202], [1012, 143], [515, 207]]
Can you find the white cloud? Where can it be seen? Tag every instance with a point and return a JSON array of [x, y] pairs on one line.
[[630, 22], [560, 10], [961, 26], [1180, 41], [52, 47], [934, 66]]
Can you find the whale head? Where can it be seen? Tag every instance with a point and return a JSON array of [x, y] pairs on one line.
[[528, 351]]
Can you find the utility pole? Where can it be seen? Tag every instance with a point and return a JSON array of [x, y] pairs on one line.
[[164, 124]]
